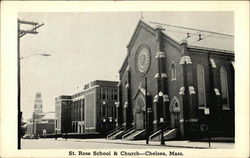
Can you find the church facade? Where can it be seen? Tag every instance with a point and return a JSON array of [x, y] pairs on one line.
[[187, 88]]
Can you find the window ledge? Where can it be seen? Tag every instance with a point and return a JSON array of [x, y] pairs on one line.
[[201, 108], [225, 108], [173, 79]]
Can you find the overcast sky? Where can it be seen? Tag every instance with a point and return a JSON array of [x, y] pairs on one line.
[[89, 46]]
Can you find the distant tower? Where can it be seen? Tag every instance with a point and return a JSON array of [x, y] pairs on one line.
[[38, 106]]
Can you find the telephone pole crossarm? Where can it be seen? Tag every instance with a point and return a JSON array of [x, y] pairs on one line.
[[32, 31], [28, 31], [27, 22]]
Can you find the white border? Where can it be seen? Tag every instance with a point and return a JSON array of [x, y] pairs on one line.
[[9, 12]]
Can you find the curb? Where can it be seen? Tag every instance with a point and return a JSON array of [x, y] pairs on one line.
[[155, 145]]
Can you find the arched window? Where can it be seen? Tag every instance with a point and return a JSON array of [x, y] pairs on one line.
[[173, 72], [201, 86], [224, 88]]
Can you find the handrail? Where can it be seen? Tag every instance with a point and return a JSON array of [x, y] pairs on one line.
[[114, 130], [117, 128], [155, 132], [129, 132], [169, 131], [136, 133]]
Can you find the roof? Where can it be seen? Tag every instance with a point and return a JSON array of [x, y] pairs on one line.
[[210, 40], [50, 115]]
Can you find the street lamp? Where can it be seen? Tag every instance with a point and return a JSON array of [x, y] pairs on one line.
[[34, 120], [56, 129], [162, 118], [146, 118], [19, 91], [25, 57]]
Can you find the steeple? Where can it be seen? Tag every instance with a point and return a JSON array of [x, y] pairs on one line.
[[38, 105]]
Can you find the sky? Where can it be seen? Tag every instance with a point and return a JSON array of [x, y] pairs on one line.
[[87, 46]]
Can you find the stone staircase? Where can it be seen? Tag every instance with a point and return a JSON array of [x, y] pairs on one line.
[[119, 133]]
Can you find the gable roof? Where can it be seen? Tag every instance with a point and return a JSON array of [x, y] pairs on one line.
[[141, 23], [210, 41], [142, 91]]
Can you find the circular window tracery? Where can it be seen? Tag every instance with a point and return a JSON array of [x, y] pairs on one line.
[[143, 59]]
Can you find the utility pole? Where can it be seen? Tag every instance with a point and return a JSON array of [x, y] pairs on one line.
[[66, 122], [56, 130], [33, 131], [21, 33], [146, 102]]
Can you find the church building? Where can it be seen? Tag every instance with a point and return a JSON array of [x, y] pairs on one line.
[[41, 122], [181, 82]]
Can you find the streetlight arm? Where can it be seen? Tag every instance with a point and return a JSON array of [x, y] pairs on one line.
[[25, 57]]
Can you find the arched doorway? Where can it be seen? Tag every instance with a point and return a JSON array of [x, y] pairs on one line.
[[140, 113], [175, 113]]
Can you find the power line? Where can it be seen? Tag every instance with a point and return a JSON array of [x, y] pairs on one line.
[[193, 29], [190, 35], [200, 38]]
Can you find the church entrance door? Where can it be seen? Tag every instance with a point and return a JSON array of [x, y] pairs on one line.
[[139, 120], [140, 114]]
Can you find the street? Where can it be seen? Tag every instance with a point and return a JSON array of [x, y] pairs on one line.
[[60, 143]]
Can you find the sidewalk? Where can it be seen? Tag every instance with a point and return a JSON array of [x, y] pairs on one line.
[[177, 144]]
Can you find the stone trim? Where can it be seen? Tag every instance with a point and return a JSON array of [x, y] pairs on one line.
[[191, 90], [160, 55], [165, 98], [156, 99], [213, 63], [182, 89], [126, 105], [127, 85], [157, 76], [185, 60], [163, 75], [128, 68], [217, 92], [117, 104]]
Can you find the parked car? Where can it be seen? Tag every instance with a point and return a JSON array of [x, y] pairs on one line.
[[35, 136], [27, 136]]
